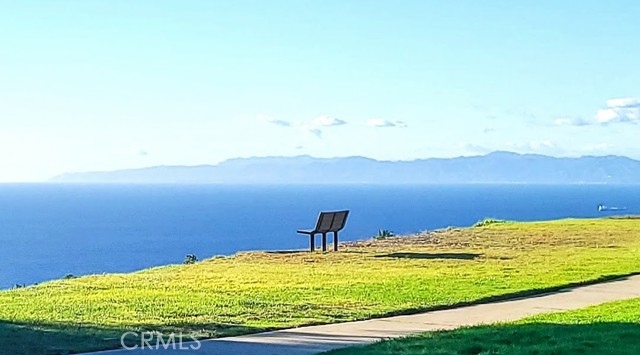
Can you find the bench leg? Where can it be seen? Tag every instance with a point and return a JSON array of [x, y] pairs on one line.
[[324, 242], [312, 242], [335, 241]]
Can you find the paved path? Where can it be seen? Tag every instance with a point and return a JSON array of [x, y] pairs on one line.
[[315, 339]]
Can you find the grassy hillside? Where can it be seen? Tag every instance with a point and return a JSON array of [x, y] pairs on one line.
[[612, 328], [251, 292]]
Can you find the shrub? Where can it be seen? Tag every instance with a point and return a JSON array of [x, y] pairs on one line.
[[384, 233], [190, 259], [488, 221]]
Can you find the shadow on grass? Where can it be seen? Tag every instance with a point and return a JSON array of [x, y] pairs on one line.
[[528, 338], [288, 252], [52, 338], [456, 256], [625, 217]]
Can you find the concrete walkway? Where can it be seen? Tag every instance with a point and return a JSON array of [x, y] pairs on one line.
[[316, 339]]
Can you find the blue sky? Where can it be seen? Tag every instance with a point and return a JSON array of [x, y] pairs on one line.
[[101, 85]]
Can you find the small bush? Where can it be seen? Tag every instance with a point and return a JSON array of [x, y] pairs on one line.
[[69, 277], [190, 259], [384, 233], [488, 221]]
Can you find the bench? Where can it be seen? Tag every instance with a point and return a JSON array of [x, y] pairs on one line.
[[328, 222]]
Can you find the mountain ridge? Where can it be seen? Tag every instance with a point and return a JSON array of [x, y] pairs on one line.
[[495, 167]]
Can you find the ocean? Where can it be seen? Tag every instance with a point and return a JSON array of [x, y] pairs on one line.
[[48, 230]]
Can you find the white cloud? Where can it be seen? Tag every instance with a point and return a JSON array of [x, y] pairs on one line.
[[314, 127], [380, 122], [620, 110], [570, 121], [624, 102], [606, 115], [542, 145], [312, 130], [274, 121], [327, 121], [538, 146], [321, 122]]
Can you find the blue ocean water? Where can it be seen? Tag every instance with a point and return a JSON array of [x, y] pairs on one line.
[[48, 230]]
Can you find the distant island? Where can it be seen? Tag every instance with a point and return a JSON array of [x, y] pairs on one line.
[[496, 167]]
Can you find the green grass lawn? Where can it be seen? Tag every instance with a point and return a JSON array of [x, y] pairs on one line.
[[611, 328], [252, 292]]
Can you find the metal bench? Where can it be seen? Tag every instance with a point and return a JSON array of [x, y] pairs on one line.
[[328, 222]]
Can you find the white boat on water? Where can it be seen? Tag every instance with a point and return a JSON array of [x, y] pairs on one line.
[[602, 208]]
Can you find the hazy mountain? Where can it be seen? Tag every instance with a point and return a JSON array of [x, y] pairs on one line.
[[497, 167]]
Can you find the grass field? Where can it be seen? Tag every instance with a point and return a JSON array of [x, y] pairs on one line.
[[251, 292], [612, 328]]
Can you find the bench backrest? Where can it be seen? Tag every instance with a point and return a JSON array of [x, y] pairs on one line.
[[331, 221]]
